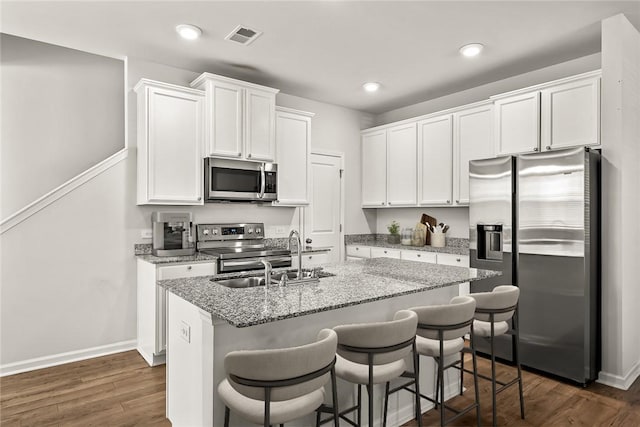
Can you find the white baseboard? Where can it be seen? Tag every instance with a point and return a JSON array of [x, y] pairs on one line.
[[618, 381], [62, 358]]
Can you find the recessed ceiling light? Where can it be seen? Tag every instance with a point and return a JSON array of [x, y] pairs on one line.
[[371, 86], [188, 31], [471, 50]]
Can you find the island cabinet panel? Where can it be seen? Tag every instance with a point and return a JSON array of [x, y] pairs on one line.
[[458, 261], [374, 169], [435, 161], [385, 253], [473, 140], [170, 138], [293, 148], [401, 165], [151, 303]]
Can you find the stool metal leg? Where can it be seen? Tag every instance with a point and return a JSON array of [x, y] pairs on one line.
[[462, 372], [493, 374], [386, 404], [226, 416], [416, 373], [516, 329], [359, 404], [441, 379], [475, 374]]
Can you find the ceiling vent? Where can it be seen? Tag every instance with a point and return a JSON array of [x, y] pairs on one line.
[[243, 35]]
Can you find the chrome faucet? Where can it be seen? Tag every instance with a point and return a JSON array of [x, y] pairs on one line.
[[295, 233], [267, 272]]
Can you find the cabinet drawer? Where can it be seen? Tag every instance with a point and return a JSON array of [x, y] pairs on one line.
[[315, 260], [359, 251], [451, 259], [385, 253], [419, 256], [186, 270]]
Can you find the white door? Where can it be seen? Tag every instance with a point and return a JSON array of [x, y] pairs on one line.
[[322, 216]]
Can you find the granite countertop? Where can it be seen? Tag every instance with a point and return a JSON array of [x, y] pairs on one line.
[[355, 282], [197, 257], [455, 246]]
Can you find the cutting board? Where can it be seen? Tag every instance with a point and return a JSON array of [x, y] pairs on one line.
[[426, 219]]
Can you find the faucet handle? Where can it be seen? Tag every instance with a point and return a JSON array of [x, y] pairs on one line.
[[283, 280]]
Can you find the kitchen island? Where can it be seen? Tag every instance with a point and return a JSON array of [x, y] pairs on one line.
[[207, 320]]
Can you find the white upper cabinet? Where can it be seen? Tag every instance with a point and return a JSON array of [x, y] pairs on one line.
[[435, 165], [517, 124], [293, 146], [559, 114], [374, 169], [473, 140], [571, 114], [169, 143], [401, 165], [240, 118]]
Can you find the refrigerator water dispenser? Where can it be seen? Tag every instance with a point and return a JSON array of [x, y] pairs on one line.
[[490, 242]]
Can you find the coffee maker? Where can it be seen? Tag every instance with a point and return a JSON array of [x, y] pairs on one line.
[[172, 234]]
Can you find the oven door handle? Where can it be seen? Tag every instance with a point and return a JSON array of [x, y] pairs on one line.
[[262, 181]]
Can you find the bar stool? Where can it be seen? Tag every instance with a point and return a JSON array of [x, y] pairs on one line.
[[280, 385], [373, 353], [493, 311], [441, 331]]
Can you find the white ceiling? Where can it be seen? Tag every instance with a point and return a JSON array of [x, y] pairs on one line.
[[325, 50]]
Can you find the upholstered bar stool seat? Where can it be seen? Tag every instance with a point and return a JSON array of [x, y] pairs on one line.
[[373, 353], [440, 333], [279, 385], [483, 329]]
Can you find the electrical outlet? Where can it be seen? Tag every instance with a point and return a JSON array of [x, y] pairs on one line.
[[280, 230], [146, 233], [185, 331]]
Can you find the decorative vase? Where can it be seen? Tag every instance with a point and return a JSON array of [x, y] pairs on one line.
[[393, 239]]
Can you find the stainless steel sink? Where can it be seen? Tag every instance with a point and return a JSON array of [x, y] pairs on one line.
[[242, 282], [306, 274]]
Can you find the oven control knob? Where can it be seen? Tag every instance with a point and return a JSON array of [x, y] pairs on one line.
[[215, 231], [258, 230], [205, 231], [251, 231]]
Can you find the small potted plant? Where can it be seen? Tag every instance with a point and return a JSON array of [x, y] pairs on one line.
[[394, 233]]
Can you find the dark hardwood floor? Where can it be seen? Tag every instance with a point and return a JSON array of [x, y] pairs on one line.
[[121, 390]]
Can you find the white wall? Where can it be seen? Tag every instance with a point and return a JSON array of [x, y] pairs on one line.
[[62, 114], [480, 93], [68, 272], [621, 204]]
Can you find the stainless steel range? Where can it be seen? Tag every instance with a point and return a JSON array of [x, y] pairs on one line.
[[239, 247]]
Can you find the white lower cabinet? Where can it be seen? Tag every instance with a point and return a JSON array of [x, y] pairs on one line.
[[310, 260], [356, 251], [385, 253], [152, 304], [420, 256]]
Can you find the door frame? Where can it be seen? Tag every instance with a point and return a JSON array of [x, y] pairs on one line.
[[338, 155]]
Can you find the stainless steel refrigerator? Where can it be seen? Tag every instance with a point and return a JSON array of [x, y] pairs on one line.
[[536, 217]]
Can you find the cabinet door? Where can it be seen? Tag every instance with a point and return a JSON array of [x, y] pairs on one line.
[[472, 140], [420, 256], [385, 253], [374, 169], [293, 144], [224, 103], [355, 251], [435, 161], [173, 147], [401, 165], [571, 115], [517, 124], [260, 107]]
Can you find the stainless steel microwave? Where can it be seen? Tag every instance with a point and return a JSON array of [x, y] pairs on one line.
[[239, 180]]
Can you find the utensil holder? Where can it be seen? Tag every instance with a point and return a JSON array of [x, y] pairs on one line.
[[438, 240]]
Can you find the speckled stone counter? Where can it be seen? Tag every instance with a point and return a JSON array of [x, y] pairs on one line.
[[355, 282], [455, 246], [197, 257]]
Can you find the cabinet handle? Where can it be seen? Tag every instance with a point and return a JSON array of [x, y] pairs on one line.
[[389, 203], [448, 201], [535, 149], [385, 252], [382, 203], [457, 201], [458, 259], [189, 267], [310, 256], [419, 255], [357, 249], [199, 198], [239, 154], [248, 156], [548, 147]]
